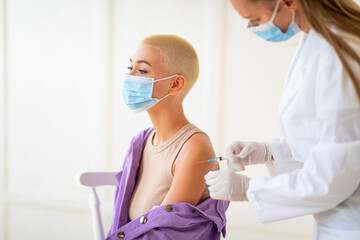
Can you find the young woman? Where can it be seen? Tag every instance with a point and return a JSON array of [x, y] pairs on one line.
[[162, 192], [315, 166]]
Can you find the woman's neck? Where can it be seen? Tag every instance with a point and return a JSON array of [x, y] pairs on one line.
[[300, 21], [167, 122]]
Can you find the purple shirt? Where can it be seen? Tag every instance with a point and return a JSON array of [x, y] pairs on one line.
[[173, 221]]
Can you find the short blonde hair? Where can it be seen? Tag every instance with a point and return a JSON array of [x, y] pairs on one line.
[[180, 57]]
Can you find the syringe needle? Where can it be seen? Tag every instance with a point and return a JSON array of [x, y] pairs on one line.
[[217, 159]]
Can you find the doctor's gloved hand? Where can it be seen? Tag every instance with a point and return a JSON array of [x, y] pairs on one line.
[[241, 154], [227, 185]]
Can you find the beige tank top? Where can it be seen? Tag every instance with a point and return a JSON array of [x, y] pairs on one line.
[[155, 174]]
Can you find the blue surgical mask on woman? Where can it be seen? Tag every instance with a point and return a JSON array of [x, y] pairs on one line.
[[137, 92], [270, 32]]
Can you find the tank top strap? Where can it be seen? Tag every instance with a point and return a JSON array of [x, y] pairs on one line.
[[188, 132]]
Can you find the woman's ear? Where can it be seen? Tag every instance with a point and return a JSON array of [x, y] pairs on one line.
[[177, 85], [291, 4]]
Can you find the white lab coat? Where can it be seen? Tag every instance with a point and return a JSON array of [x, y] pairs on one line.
[[317, 161]]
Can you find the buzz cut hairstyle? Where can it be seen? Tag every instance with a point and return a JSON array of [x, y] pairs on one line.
[[180, 57]]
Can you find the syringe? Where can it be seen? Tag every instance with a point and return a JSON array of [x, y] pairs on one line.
[[217, 159]]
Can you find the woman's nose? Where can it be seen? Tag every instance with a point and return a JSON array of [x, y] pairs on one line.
[[132, 72]]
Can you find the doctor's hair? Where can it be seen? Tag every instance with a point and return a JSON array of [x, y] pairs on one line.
[[328, 16], [180, 57]]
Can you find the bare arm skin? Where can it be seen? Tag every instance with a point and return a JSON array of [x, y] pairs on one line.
[[188, 183]]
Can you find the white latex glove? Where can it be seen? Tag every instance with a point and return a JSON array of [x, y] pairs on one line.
[[241, 154], [227, 185]]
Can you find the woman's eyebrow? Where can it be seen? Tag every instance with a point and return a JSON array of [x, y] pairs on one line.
[[142, 61]]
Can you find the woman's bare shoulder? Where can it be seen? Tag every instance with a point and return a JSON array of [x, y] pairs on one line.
[[196, 149]]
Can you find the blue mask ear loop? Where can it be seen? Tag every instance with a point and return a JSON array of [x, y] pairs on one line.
[[162, 79], [275, 12], [158, 80], [293, 17]]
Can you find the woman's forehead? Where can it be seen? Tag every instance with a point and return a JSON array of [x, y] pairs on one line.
[[248, 9], [148, 53]]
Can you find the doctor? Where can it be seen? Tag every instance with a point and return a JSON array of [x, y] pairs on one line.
[[315, 166]]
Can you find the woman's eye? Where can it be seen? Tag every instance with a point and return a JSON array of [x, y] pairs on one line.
[[254, 23], [143, 71], [129, 68]]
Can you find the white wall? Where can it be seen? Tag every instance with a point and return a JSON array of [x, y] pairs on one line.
[[61, 65], [50, 118]]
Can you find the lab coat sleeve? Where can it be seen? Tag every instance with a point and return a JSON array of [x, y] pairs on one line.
[[283, 159], [331, 173]]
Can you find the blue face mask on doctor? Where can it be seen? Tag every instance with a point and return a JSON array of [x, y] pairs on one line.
[[137, 92], [270, 32]]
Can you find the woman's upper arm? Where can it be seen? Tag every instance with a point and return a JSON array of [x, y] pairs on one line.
[[188, 183]]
